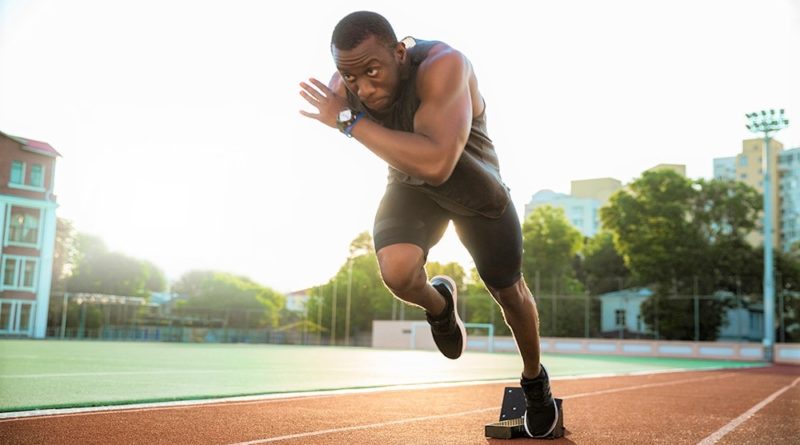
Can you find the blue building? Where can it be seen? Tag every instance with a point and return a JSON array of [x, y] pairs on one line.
[[582, 213]]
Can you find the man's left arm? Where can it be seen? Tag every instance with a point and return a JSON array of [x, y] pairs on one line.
[[441, 124]]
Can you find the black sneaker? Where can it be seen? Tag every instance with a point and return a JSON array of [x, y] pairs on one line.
[[447, 328], [541, 414]]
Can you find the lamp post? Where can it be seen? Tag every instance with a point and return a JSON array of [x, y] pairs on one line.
[[766, 123]]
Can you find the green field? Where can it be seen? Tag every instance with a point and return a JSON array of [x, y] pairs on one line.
[[52, 374]]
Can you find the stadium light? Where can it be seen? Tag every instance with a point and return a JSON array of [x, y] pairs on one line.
[[767, 123]]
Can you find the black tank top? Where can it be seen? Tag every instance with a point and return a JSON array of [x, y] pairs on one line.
[[475, 186]]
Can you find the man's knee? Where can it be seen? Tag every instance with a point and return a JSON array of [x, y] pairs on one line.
[[513, 297], [400, 266]]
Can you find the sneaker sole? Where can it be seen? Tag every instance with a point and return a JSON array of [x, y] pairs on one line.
[[459, 323], [549, 431]]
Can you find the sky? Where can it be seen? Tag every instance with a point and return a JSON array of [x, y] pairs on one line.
[[181, 139]]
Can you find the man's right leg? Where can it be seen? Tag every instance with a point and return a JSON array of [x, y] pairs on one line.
[[403, 272], [407, 224]]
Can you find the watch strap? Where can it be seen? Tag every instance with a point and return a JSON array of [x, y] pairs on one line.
[[349, 128]]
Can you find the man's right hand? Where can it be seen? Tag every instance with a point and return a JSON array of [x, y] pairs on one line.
[[325, 100]]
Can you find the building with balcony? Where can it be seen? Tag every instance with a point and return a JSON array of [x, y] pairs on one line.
[[28, 232]]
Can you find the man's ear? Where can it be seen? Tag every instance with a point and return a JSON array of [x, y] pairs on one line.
[[400, 52]]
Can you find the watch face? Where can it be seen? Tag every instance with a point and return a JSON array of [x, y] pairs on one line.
[[345, 115]]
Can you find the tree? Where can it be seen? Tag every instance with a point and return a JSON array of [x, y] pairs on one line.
[[550, 244], [231, 300], [652, 227], [481, 306], [603, 266], [683, 238], [369, 298], [452, 270], [155, 280], [97, 270], [65, 254]]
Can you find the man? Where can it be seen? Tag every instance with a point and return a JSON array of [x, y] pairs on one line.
[[416, 105]]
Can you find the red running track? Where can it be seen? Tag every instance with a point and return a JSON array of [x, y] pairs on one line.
[[752, 406]]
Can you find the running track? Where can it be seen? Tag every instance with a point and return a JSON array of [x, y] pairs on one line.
[[752, 406]]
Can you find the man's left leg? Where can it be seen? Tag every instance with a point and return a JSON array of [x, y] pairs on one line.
[[496, 247], [521, 315]]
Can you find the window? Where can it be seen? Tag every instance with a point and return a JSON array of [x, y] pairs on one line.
[[17, 172], [5, 316], [23, 226], [9, 272], [743, 160], [19, 272], [620, 317], [28, 271], [16, 317], [36, 178], [24, 317]]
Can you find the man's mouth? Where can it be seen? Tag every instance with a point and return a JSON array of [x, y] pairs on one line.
[[376, 104]]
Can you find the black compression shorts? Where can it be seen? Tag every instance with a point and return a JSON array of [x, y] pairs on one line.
[[406, 215]]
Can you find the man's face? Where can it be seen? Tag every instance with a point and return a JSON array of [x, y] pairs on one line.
[[371, 71]]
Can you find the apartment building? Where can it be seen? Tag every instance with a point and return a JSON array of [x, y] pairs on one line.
[[582, 213], [748, 167], [789, 191], [28, 231]]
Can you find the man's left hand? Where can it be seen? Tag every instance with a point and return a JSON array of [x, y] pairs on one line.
[[325, 100]]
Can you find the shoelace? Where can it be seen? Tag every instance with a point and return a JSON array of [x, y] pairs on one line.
[[536, 392], [443, 326]]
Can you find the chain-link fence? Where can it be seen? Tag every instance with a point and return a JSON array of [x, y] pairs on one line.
[[623, 311]]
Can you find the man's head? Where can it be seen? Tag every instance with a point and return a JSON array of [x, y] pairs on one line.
[[357, 26], [369, 58]]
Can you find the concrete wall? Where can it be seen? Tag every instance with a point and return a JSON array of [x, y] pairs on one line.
[[788, 353], [416, 335]]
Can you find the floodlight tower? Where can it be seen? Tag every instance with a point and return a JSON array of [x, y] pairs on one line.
[[766, 123]]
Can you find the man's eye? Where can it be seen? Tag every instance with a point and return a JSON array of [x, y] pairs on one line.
[[348, 78], [372, 72]]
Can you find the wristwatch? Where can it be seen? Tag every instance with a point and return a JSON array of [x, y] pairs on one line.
[[346, 119]]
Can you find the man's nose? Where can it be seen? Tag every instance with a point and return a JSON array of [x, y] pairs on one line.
[[365, 89]]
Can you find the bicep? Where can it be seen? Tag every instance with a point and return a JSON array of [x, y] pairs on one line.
[[445, 111]]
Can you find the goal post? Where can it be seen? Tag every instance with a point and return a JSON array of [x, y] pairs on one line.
[[482, 343]]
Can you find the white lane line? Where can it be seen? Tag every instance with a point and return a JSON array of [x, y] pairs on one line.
[[646, 385], [464, 413], [733, 424], [238, 400], [364, 427]]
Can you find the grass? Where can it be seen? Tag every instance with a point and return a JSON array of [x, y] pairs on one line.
[[38, 374]]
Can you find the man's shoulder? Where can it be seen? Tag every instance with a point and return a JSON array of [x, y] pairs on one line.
[[443, 63], [440, 53]]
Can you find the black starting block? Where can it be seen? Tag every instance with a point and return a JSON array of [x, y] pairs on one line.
[[510, 425]]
